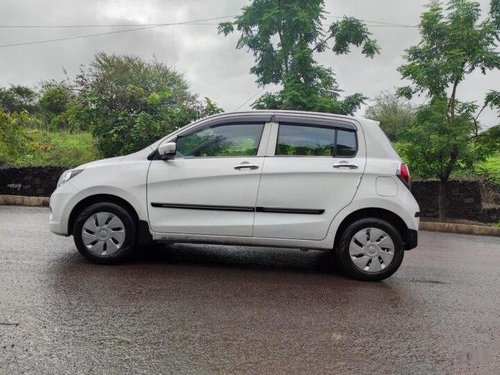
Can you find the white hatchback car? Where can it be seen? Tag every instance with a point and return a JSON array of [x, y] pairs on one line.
[[262, 178]]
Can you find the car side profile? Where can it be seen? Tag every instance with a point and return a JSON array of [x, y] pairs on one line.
[[261, 178]]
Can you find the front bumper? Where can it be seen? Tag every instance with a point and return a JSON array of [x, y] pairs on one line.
[[60, 208]]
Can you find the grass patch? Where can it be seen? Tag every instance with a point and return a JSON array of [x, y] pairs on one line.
[[44, 148]]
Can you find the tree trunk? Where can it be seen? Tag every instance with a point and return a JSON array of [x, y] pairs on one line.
[[442, 199]]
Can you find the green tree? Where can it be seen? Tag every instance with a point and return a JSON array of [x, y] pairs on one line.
[[128, 103], [18, 98], [393, 112], [454, 43], [55, 98], [56, 103], [284, 36]]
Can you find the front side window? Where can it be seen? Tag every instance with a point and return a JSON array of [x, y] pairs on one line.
[[221, 140], [310, 140]]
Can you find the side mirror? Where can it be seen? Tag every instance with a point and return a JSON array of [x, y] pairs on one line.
[[167, 150]]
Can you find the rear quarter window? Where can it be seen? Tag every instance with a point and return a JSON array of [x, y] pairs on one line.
[[346, 144]]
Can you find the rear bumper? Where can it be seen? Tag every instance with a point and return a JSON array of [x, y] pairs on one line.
[[411, 239]]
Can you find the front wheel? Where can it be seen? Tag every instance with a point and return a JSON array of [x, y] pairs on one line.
[[370, 249], [105, 233]]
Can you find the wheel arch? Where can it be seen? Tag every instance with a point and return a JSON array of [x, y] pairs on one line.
[[99, 198], [143, 233], [378, 213]]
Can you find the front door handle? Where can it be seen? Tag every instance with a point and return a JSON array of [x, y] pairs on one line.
[[246, 165], [344, 164]]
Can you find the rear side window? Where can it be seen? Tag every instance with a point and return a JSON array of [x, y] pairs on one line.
[[309, 140], [305, 141]]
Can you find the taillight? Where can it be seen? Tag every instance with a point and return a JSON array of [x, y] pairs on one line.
[[403, 173]]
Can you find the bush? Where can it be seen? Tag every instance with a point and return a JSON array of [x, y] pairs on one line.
[[44, 148], [12, 138], [490, 168]]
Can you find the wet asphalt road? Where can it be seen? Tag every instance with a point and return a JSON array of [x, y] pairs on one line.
[[212, 309]]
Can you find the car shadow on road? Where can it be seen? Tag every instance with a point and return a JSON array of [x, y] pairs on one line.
[[160, 258], [238, 257]]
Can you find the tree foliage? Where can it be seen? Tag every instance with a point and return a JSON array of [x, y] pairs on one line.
[[57, 105], [436, 146], [18, 98], [455, 42], [129, 103], [55, 98], [394, 113], [284, 37]]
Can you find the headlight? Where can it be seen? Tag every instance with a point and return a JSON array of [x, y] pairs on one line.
[[67, 175]]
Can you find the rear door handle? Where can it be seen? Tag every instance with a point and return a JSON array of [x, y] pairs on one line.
[[344, 164], [246, 165]]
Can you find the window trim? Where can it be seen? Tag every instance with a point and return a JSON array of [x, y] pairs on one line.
[[304, 124], [219, 124]]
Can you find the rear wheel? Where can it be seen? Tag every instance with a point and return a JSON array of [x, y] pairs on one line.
[[370, 249], [105, 233]]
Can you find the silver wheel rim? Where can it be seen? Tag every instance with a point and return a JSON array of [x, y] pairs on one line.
[[371, 250], [103, 234]]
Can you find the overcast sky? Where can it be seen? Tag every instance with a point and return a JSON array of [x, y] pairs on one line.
[[210, 62]]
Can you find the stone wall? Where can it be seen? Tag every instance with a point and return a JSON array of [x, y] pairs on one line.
[[464, 200], [29, 181], [490, 215]]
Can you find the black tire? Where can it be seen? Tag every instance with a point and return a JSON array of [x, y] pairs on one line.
[[130, 227], [344, 258]]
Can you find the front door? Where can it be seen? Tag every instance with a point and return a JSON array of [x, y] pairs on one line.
[[314, 173], [210, 187]]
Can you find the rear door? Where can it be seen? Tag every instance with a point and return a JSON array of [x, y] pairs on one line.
[[210, 187], [311, 172]]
